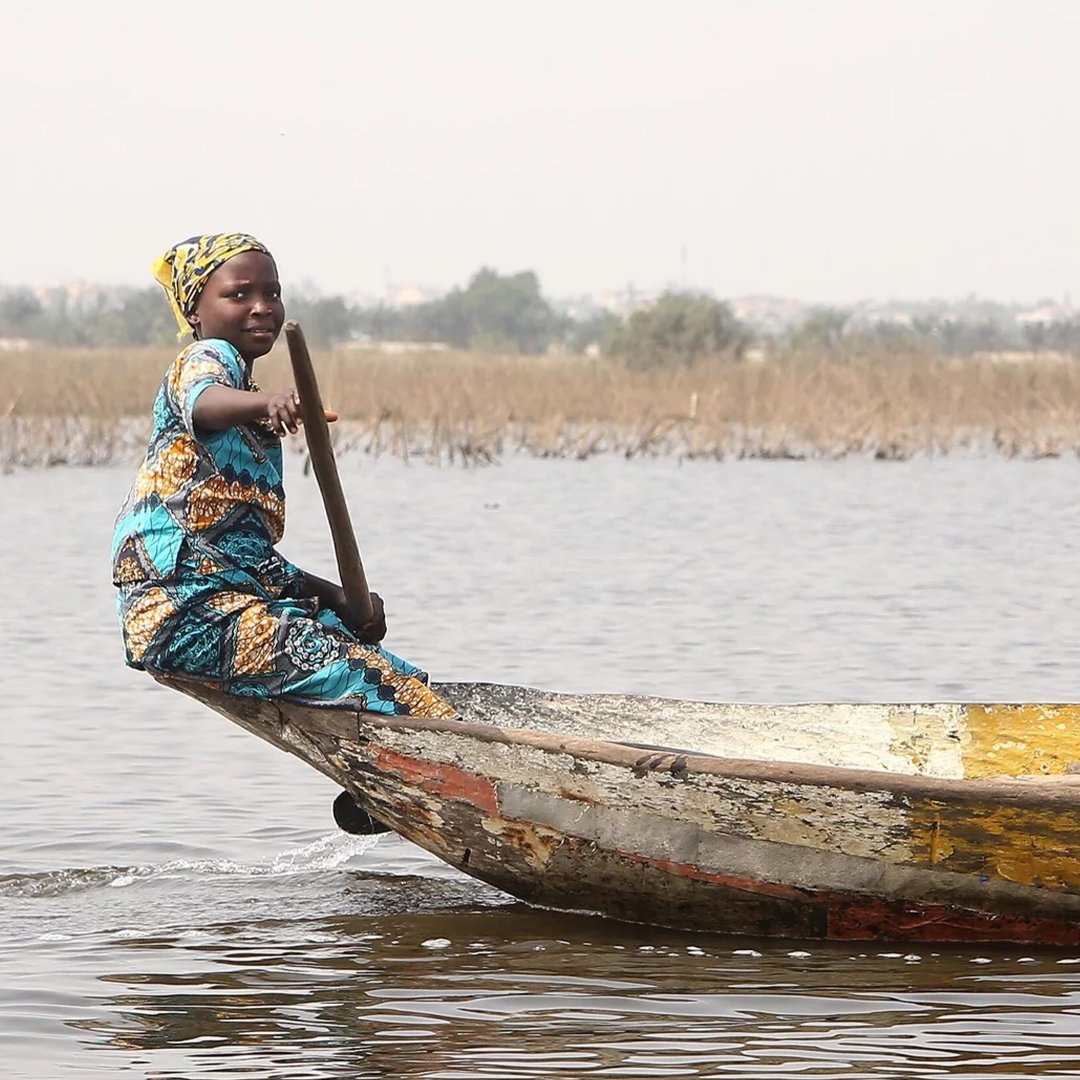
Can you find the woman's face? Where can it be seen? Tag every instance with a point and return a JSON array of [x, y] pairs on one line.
[[241, 303]]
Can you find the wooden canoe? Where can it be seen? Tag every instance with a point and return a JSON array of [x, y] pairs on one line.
[[927, 823]]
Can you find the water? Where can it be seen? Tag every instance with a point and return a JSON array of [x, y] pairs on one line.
[[174, 900]]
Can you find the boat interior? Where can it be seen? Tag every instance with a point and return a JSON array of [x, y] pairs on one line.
[[945, 740]]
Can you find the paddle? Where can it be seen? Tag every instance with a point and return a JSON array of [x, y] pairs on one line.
[[321, 453]]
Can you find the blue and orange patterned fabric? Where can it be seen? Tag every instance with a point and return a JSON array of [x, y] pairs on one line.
[[217, 493], [203, 592]]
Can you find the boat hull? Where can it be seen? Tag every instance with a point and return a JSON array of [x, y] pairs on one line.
[[701, 842]]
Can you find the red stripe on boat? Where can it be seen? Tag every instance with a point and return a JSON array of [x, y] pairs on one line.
[[442, 780]]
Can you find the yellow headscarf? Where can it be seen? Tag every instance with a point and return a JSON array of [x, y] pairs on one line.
[[183, 269]]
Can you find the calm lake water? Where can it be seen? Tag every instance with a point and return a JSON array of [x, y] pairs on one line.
[[175, 900]]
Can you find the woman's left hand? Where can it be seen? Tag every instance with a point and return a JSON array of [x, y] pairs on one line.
[[374, 630]]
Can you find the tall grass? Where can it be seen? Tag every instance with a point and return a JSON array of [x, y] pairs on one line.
[[92, 406]]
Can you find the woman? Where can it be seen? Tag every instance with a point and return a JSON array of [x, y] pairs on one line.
[[203, 592]]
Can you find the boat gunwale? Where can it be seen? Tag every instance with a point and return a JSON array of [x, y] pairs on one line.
[[1056, 790], [1052, 791]]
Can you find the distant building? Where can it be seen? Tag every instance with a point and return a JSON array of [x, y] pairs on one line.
[[392, 348], [626, 301], [579, 308], [405, 296], [769, 315], [1047, 315]]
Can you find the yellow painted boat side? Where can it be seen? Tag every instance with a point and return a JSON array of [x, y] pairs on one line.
[[1020, 740], [1026, 845]]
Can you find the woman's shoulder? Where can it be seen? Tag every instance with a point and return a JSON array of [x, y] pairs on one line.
[[208, 358], [209, 349]]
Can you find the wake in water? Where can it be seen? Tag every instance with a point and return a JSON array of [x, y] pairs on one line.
[[329, 852]]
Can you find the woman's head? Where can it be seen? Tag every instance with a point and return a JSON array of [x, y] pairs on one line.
[[224, 285]]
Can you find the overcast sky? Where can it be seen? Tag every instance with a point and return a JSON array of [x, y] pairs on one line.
[[829, 150]]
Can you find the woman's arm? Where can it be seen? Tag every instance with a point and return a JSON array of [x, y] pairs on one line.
[[332, 596], [220, 407]]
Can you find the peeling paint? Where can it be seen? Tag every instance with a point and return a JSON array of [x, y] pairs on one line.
[[1018, 740], [1039, 848], [533, 842], [752, 846], [442, 780]]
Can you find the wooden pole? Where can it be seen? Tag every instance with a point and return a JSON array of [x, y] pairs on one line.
[[321, 452]]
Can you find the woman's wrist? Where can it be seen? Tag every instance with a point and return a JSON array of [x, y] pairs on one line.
[[337, 602], [326, 592]]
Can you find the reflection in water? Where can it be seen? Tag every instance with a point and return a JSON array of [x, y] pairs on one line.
[[513, 992]]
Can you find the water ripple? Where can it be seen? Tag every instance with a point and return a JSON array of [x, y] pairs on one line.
[[327, 853]]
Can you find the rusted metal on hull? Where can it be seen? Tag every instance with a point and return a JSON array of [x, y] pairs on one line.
[[687, 840]]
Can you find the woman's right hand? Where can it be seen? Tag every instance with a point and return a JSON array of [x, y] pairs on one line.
[[283, 412]]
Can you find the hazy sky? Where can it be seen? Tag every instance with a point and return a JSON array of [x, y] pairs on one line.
[[828, 150]]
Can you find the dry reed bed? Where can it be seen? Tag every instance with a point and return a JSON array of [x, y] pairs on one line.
[[92, 407]]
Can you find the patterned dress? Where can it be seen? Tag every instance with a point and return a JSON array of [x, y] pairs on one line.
[[203, 593]]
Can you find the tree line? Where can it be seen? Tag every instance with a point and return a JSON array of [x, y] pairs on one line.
[[508, 313]]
